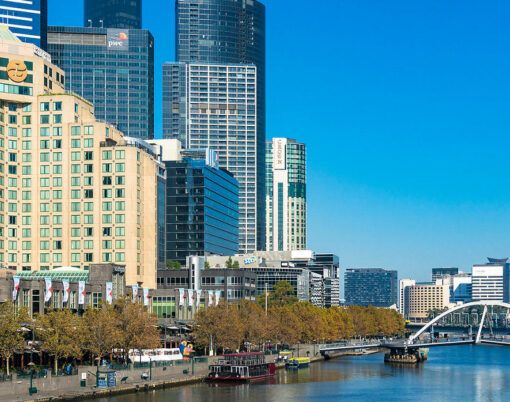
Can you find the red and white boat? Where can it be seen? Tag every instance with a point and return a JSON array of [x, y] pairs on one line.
[[241, 367]]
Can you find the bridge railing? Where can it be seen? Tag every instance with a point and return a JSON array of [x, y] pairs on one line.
[[348, 344]]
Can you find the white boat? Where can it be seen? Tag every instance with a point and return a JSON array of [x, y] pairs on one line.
[[154, 355]]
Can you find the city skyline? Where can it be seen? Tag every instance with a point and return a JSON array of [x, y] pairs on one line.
[[411, 177]]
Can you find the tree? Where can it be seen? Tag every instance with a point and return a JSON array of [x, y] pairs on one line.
[[207, 265], [235, 265], [173, 264], [11, 326], [229, 264], [100, 330], [60, 334], [282, 295], [138, 329]]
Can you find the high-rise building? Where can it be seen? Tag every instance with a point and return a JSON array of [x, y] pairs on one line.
[[285, 195], [370, 287], [441, 273], [229, 32], [202, 203], [216, 107], [27, 19], [461, 289], [421, 300], [491, 281], [124, 14], [73, 191], [404, 283], [111, 68]]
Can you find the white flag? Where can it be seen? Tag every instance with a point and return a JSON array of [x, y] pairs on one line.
[[211, 297], [146, 296], [181, 297], [199, 294], [190, 297], [81, 292], [49, 290], [218, 293], [65, 285], [109, 292], [15, 287], [135, 293]]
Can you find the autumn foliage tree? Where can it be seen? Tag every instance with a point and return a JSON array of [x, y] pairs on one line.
[[11, 327]]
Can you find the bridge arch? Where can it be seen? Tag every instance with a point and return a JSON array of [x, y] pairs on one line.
[[483, 303]]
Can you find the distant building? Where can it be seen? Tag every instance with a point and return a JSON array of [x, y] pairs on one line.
[[403, 284], [423, 299], [370, 287], [202, 203], [111, 68], [27, 19], [461, 289], [491, 281], [440, 273], [285, 195], [125, 14]]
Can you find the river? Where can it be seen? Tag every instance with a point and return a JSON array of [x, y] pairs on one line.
[[455, 373]]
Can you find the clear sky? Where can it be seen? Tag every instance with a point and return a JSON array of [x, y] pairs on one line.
[[404, 107]]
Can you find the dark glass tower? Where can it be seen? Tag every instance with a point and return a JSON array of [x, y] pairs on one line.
[[370, 287], [28, 20], [124, 14], [229, 32], [111, 68]]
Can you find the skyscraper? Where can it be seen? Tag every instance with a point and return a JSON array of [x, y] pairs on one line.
[[27, 19], [111, 68], [124, 14], [228, 32], [215, 106], [370, 287], [285, 195]]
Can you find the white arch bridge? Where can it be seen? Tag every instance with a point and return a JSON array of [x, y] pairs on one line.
[[414, 341]]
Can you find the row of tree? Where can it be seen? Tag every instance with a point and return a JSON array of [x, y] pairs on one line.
[[233, 326], [64, 335]]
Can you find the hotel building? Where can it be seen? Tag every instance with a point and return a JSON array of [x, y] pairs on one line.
[[73, 190], [420, 300]]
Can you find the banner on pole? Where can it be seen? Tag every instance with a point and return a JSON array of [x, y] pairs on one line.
[[190, 297], [109, 292], [211, 297], [135, 292], [15, 287], [65, 285], [181, 297], [49, 290], [218, 293], [199, 295], [146, 296], [81, 292]]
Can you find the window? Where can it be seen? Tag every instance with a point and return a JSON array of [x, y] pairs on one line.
[[120, 192], [75, 194], [76, 206], [45, 156], [88, 219], [76, 181], [107, 193], [120, 180], [120, 244], [75, 143], [88, 130], [107, 167], [45, 132], [120, 167], [120, 205], [107, 180], [45, 106], [75, 156], [88, 193], [57, 106], [27, 145], [88, 244], [89, 168], [44, 144], [75, 169], [107, 155], [107, 257], [120, 231], [76, 130], [44, 245], [75, 219], [75, 232], [45, 119], [88, 232], [88, 206], [88, 155], [57, 131], [57, 156], [57, 119], [88, 143], [120, 154], [27, 132], [57, 144], [120, 218]]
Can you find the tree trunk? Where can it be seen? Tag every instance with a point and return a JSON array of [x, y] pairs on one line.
[[7, 365], [56, 365]]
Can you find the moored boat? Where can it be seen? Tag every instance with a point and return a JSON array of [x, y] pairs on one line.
[[298, 362], [241, 367]]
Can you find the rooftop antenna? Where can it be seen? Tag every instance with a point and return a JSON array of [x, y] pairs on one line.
[[101, 21], [90, 23]]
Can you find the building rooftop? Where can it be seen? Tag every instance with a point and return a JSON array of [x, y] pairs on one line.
[[6, 34], [70, 273]]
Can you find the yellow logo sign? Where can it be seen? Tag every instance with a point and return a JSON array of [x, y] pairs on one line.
[[17, 71]]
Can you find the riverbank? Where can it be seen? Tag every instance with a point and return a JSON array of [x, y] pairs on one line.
[[185, 373]]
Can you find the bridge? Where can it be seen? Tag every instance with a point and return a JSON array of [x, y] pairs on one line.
[[414, 342]]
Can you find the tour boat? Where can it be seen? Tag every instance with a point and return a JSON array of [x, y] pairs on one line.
[[154, 355], [298, 362], [241, 367]]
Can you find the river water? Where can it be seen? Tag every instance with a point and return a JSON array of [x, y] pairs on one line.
[[455, 373]]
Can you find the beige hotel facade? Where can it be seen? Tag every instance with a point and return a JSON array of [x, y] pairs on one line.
[[73, 190]]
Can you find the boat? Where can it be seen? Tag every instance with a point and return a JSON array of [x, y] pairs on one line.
[[298, 362], [241, 367], [154, 355]]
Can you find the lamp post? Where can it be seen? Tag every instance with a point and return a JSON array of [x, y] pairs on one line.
[[31, 389]]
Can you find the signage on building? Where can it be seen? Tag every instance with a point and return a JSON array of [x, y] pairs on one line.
[[249, 261], [279, 154], [42, 53], [117, 39], [17, 71]]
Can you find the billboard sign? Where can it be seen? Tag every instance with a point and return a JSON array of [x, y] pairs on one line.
[[117, 39]]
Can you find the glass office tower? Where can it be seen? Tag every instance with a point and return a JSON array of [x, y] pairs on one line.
[[111, 68], [228, 32], [27, 19], [125, 14], [285, 195], [370, 287], [214, 106]]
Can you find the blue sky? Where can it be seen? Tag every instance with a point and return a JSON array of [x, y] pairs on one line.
[[404, 107]]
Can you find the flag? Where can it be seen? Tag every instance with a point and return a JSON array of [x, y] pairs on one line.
[[109, 292], [199, 294], [49, 290], [81, 292], [181, 297], [211, 297], [135, 293], [190, 297], [218, 293], [15, 287], [146, 296], [65, 285]]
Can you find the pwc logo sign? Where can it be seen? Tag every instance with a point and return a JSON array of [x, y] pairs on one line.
[[117, 39], [17, 71]]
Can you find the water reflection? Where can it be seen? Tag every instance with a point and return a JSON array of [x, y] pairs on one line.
[[460, 373]]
